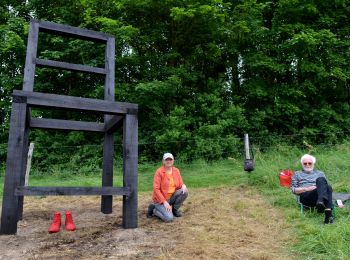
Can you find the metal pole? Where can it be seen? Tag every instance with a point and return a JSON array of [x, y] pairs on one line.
[[248, 162], [246, 146]]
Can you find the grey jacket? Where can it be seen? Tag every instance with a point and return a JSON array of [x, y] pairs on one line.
[[302, 179]]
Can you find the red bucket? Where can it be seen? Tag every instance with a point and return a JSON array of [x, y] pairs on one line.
[[286, 178]]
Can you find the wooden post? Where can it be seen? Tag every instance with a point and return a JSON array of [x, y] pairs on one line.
[[32, 47], [107, 174], [24, 159], [29, 163], [108, 144], [15, 164], [130, 158], [110, 69]]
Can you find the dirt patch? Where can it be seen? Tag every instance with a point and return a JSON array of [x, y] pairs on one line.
[[225, 223]]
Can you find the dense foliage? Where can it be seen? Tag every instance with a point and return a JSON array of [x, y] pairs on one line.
[[202, 72]]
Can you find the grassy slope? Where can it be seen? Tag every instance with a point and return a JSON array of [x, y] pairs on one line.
[[316, 241]]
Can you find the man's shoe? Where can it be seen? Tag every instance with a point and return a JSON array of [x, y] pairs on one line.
[[320, 207], [150, 210], [329, 220], [177, 213]]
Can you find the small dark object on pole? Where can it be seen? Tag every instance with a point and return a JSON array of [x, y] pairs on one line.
[[248, 165]]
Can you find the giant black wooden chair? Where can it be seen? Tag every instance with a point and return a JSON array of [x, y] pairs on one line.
[[116, 115]]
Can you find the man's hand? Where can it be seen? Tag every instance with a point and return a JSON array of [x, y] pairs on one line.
[[304, 189], [310, 188]]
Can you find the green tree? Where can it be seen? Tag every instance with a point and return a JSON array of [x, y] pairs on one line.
[[201, 71], [13, 29]]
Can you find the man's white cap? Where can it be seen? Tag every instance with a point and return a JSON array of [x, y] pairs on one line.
[[168, 155]]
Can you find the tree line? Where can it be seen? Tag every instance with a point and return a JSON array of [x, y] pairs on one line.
[[199, 70]]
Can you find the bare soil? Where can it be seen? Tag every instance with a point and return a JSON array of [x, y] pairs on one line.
[[220, 223]]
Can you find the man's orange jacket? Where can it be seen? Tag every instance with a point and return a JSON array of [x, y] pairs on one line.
[[161, 184]]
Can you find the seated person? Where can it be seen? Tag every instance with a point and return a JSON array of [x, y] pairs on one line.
[[312, 188], [169, 191]]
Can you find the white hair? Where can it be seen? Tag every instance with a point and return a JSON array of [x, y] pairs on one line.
[[313, 159]]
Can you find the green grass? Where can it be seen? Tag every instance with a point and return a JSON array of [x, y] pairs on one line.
[[314, 240]]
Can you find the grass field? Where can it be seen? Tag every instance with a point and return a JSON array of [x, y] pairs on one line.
[[313, 239]]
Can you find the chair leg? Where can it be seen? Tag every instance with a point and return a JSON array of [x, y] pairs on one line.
[[12, 205], [302, 209]]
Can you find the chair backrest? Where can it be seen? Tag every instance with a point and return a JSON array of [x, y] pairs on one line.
[[32, 61]]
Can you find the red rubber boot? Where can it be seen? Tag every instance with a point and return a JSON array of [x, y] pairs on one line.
[[56, 223], [69, 221]]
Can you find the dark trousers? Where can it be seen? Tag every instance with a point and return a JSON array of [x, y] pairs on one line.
[[323, 193]]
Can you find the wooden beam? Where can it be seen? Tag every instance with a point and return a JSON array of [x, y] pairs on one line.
[[70, 191], [32, 47], [35, 99], [70, 31], [68, 66], [113, 124], [66, 125]]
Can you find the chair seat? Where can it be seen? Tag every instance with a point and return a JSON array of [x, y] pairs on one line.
[[303, 207]]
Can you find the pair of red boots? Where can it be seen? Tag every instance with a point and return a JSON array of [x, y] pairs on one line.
[[56, 223]]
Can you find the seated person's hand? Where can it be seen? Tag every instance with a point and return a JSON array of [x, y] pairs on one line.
[[310, 188]]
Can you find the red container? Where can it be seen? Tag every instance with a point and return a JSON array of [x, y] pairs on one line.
[[286, 177]]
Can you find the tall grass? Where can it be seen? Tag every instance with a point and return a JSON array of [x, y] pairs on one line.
[[314, 240]]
